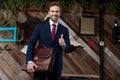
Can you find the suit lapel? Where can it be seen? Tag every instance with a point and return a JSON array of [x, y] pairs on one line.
[[48, 31], [59, 29]]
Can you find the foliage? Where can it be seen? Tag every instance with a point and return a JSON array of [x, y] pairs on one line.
[[66, 4], [92, 4], [38, 3], [112, 6], [7, 18], [12, 6]]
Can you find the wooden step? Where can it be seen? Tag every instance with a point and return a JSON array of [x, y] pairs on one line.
[[81, 75]]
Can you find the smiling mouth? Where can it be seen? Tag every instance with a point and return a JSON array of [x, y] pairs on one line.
[[55, 17]]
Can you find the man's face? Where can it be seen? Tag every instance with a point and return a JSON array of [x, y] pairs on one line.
[[54, 13]]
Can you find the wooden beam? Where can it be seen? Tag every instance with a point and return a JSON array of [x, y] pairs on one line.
[[3, 76], [83, 44], [112, 59], [80, 75], [12, 68]]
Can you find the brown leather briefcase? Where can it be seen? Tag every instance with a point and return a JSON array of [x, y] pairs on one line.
[[44, 58]]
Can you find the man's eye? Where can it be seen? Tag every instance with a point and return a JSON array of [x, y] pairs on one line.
[[52, 11]]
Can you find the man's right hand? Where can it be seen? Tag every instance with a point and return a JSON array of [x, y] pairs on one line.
[[30, 66]]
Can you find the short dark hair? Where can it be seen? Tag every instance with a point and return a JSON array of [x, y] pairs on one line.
[[55, 3]]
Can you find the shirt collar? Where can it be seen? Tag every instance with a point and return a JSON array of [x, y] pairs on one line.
[[51, 22]]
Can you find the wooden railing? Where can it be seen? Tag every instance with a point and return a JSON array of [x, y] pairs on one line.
[[79, 77]]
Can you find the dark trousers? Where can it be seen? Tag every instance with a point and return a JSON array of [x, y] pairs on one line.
[[55, 75]]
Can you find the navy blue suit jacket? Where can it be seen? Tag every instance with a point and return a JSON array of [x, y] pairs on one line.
[[42, 33]]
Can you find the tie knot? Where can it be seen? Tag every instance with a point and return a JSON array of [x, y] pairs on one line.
[[54, 25]]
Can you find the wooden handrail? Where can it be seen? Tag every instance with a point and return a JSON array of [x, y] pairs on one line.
[[80, 75]]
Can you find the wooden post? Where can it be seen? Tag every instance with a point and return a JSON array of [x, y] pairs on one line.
[[101, 35]]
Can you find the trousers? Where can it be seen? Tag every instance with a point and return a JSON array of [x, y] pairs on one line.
[[55, 75]]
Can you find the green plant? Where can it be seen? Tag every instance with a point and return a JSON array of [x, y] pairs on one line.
[[112, 6], [38, 3], [13, 4], [7, 18], [66, 4]]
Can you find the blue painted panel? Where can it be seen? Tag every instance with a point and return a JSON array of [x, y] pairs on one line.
[[9, 29]]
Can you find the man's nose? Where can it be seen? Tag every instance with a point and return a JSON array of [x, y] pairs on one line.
[[54, 13]]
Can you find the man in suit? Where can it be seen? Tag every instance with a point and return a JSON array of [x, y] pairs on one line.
[[43, 33]]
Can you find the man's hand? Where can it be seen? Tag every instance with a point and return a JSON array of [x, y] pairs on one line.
[[61, 41], [30, 67]]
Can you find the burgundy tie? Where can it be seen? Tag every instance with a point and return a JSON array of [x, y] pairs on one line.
[[53, 31]]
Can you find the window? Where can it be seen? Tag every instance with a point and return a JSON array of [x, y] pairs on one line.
[[87, 25]]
